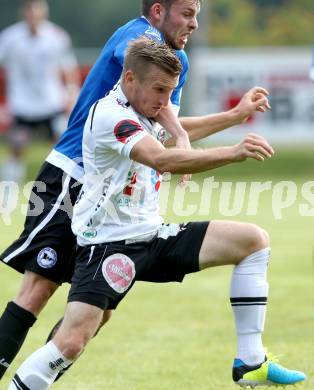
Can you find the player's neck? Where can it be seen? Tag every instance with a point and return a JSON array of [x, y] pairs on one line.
[[151, 21], [34, 29], [126, 92]]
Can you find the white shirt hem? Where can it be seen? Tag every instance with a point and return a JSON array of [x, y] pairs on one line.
[[66, 164]]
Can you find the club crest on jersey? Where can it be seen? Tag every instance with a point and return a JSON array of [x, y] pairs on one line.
[[47, 258], [126, 129], [119, 272]]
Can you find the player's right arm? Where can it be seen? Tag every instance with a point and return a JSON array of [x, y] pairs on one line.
[[150, 152], [203, 126], [69, 67]]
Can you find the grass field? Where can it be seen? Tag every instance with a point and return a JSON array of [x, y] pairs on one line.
[[169, 337]]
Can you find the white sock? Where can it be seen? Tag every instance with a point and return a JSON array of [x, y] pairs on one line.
[[248, 297], [40, 369]]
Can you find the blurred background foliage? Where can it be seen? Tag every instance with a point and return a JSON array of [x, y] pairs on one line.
[[227, 22], [261, 22], [89, 22]]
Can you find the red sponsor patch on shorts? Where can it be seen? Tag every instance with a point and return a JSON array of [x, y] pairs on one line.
[[119, 272], [126, 129]]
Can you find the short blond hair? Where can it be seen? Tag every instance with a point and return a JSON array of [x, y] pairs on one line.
[[143, 52]]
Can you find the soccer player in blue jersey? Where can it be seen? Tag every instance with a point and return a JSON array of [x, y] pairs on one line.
[[44, 251]]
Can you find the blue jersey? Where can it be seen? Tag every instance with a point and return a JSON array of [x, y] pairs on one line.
[[105, 73]]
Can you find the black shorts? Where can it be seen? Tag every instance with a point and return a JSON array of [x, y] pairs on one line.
[[42, 127], [105, 273], [47, 245]]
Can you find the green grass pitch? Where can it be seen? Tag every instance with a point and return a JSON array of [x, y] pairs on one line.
[[181, 336]]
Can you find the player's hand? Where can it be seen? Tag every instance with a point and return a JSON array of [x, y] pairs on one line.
[[253, 100], [183, 142], [253, 146]]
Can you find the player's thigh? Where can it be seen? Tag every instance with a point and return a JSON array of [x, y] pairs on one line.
[[228, 242], [35, 291]]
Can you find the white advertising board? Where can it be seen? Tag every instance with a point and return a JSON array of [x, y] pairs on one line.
[[219, 77]]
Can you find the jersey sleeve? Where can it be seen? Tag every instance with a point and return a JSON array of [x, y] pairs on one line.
[[176, 94], [118, 133]]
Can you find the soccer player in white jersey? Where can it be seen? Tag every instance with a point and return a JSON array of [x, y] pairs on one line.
[[36, 53], [43, 252], [121, 237]]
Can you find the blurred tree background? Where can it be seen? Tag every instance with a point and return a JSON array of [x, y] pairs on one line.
[[261, 22], [90, 23], [229, 22]]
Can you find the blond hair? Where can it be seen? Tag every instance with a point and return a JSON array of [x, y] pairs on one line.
[[143, 52]]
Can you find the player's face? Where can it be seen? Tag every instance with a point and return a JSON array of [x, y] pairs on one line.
[[153, 92], [179, 22], [34, 14]]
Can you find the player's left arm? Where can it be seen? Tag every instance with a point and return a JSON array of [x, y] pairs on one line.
[[199, 127], [169, 120], [168, 117], [70, 70]]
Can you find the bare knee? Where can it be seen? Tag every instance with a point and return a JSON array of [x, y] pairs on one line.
[[74, 342], [35, 292], [256, 239], [73, 345], [79, 325], [72, 338]]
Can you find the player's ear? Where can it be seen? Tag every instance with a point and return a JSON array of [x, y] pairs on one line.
[[157, 12], [129, 76]]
